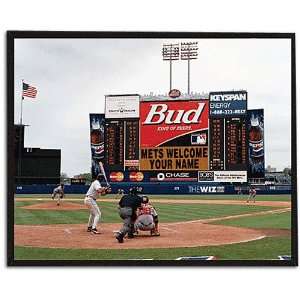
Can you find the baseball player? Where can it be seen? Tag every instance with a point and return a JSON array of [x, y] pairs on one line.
[[90, 202], [147, 218], [59, 192], [127, 211], [252, 194]]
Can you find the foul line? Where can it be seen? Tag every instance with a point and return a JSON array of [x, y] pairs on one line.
[[276, 211]]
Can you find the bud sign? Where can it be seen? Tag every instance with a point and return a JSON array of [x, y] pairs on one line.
[[162, 121]]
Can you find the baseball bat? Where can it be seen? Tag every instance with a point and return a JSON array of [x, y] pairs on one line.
[[103, 172]]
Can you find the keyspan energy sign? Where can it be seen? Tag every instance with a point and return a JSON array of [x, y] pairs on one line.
[[228, 103]]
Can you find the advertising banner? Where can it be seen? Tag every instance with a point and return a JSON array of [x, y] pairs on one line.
[[228, 103], [163, 122], [196, 189], [222, 176], [122, 106], [174, 158], [97, 127], [174, 176], [255, 124]]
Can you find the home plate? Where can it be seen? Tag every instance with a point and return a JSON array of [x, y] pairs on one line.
[[196, 258]]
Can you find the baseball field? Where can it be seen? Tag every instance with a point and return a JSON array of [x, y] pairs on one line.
[[225, 227]]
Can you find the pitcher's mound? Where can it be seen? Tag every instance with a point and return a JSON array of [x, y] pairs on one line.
[[52, 206]]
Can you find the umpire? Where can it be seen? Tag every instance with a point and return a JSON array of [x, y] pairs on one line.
[[127, 211]]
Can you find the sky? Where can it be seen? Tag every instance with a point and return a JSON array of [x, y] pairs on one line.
[[73, 76]]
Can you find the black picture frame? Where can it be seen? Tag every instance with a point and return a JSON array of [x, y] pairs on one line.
[[10, 38]]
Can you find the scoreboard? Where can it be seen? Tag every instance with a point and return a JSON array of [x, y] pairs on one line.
[[150, 139], [235, 144], [114, 144], [216, 144], [132, 145]]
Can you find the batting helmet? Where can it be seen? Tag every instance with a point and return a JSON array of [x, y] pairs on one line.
[[100, 177]]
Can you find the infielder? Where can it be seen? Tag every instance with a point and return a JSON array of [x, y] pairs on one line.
[[58, 191], [147, 218], [90, 202], [252, 194]]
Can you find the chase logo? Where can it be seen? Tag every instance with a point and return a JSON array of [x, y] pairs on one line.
[[205, 176]]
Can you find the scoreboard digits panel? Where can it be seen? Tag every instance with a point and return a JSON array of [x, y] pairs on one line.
[[114, 143], [132, 142], [216, 144], [235, 144]]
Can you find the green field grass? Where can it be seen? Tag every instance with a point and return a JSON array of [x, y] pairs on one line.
[[167, 213], [280, 221], [200, 197], [267, 248]]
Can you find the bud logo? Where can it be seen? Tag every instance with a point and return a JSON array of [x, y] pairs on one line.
[[116, 176], [228, 97], [205, 176], [162, 113], [162, 121]]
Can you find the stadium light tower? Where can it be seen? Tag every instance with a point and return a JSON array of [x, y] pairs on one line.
[[170, 52], [189, 51]]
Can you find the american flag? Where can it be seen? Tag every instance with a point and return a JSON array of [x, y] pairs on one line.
[[29, 91]]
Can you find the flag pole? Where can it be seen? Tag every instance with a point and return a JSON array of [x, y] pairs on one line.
[[20, 135], [22, 98]]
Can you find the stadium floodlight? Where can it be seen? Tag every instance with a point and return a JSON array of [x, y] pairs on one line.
[[189, 51], [170, 52]]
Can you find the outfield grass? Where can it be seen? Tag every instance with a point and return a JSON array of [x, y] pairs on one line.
[[278, 221], [199, 197], [267, 248], [167, 213]]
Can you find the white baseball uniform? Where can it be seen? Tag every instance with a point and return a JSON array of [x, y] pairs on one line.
[[90, 201], [58, 191]]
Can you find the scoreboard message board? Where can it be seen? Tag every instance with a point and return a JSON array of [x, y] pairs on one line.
[[174, 135]]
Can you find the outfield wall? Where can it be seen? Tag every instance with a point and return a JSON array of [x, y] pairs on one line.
[[160, 188]]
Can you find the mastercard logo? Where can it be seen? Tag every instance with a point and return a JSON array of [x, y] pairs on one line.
[[116, 176], [136, 176]]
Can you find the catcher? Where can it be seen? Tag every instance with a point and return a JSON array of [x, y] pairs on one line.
[[90, 202], [147, 218]]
